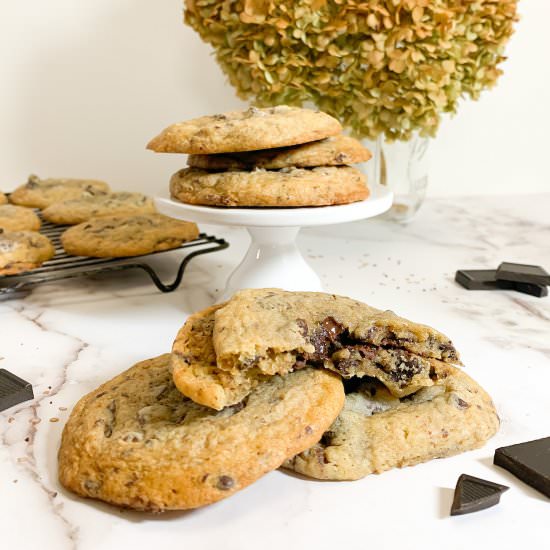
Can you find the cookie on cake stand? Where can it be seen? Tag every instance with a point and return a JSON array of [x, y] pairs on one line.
[[273, 259]]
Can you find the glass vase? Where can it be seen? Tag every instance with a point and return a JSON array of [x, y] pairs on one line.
[[403, 166]]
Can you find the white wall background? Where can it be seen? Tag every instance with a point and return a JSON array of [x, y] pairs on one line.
[[85, 84]]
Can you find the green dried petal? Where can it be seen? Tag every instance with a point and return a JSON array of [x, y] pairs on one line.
[[380, 66]]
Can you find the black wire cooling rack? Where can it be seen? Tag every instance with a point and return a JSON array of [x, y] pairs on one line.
[[63, 266]]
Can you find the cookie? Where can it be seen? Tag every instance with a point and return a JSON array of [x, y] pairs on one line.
[[376, 431], [18, 218], [3, 198], [260, 333], [72, 212], [120, 236], [38, 193], [137, 442], [332, 151], [270, 188], [247, 130], [22, 251], [194, 367]]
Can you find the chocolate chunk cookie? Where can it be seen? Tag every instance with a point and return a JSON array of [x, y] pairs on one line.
[[137, 442], [119, 236], [75, 211], [22, 251], [259, 333], [39, 193], [376, 431], [247, 130], [18, 218], [270, 188], [332, 151]]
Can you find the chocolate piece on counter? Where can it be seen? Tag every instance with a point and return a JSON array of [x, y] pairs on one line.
[[540, 291], [529, 461], [481, 279], [473, 494], [13, 390], [523, 273]]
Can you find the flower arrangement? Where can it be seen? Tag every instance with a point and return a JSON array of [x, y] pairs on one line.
[[380, 66]]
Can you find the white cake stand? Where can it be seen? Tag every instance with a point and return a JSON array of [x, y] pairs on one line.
[[273, 259]]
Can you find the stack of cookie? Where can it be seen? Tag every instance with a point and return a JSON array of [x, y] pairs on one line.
[[110, 224], [319, 384], [275, 157]]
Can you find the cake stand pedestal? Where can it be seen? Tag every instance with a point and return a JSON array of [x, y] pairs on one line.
[[273, 260]]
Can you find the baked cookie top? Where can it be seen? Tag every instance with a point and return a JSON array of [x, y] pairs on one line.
[[75, 211], [257, 323], [41, 193], [377, 431], [287, 187], [119, 236], [18, 218], [22, 251], [247, 130], [137, 442], [3, 198], [333, 151]]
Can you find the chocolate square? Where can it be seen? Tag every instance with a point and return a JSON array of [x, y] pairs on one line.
[[481, 279], [13, 390], [529, 461], [523, 273]]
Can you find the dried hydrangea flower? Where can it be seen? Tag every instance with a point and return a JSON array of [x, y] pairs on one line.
[[390, 66]]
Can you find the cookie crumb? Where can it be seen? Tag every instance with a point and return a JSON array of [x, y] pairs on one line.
[[54, 419]]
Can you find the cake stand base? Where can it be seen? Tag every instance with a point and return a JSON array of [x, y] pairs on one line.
[[273, 260]]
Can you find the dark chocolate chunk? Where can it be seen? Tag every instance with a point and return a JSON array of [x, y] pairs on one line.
[[481, 279], [13, 390], [523, 273], [473, 494], [225, 483], [540, 291], [529, 461]]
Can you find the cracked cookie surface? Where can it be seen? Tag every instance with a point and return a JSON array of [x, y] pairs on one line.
[[41, 193], [246, 130], [376, 431], [72, 212], [320, 186], [333, 151], [22, 251], [120, 236], [137, 442]]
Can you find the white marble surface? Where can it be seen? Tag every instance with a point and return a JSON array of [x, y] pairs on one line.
[[67, 338]]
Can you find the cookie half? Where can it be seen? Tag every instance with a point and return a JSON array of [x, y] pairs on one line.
[[22, 251], [18, 218], [376, 431], [270, 188], [262, 332], [41, 193], [333, 151], [137, 442], [247, 130], [72, 212], [3, 198], [120, 236]]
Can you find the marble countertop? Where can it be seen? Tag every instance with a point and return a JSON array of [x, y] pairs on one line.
[[68, 338]]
